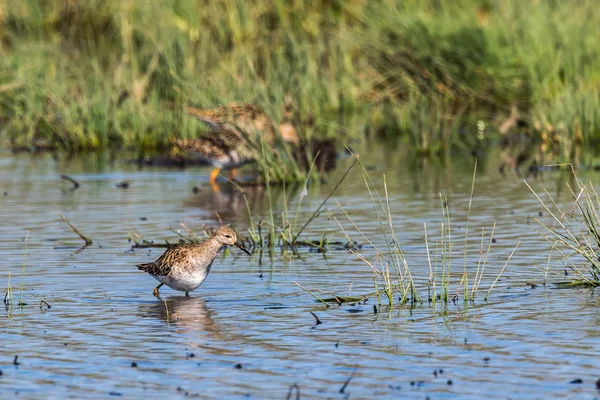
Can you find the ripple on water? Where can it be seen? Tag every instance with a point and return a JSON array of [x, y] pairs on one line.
[[248, 330]]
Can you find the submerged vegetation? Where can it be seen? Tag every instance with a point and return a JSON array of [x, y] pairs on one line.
[[80, 75]]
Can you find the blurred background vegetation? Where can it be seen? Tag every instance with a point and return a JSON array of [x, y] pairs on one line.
[[78, 75]]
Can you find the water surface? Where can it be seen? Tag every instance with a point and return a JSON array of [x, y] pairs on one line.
[[247, 331]]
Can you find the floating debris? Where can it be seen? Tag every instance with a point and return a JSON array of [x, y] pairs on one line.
[[72, 180], [345, 385], [318, 321], [43, 303], [293, 388]]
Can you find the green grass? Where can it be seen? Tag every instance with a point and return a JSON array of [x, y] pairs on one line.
[[97, 74], [391, 274], [574, 233], [21, 300], [9, 296]]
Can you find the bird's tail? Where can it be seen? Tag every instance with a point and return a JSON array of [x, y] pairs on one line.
[[144, 267]]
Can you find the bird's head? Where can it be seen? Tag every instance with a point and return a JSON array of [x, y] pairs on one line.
[[226, 236]]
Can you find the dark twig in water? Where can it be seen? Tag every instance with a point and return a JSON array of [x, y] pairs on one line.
[[145, 245], [72, 180], [87, 240], [79, 250], [43, 302], [291, 391], [345, 299], [318, 321], [345, 385]]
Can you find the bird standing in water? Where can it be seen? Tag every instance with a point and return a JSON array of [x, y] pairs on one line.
[[234, 138], [185, 267], [225, 149]]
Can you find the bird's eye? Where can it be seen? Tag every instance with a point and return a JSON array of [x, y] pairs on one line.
[[228, 236]]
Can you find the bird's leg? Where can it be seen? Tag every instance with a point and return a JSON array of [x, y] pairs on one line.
[[233, 174], [187, 294], [155, 291], [213, 175]]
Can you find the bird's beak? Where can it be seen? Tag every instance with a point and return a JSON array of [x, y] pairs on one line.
[[241, 247]]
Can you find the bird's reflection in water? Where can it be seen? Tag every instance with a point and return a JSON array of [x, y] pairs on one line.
[[190, 320], [229, 201], [184, 315]]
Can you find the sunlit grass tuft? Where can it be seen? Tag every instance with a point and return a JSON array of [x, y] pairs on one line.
[[393, 279], [574, 234]]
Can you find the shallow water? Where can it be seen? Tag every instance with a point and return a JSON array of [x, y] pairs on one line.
[[247, 332]]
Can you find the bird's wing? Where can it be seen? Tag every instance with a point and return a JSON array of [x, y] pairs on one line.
[[162, 266]]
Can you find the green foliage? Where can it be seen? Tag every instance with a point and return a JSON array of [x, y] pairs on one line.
[[91, 74]]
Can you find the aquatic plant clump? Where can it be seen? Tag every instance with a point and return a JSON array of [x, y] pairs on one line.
[[393, 279], [284, 231], [574, 235]]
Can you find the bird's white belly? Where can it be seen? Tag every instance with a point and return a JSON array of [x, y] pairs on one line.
[[184, 282]]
